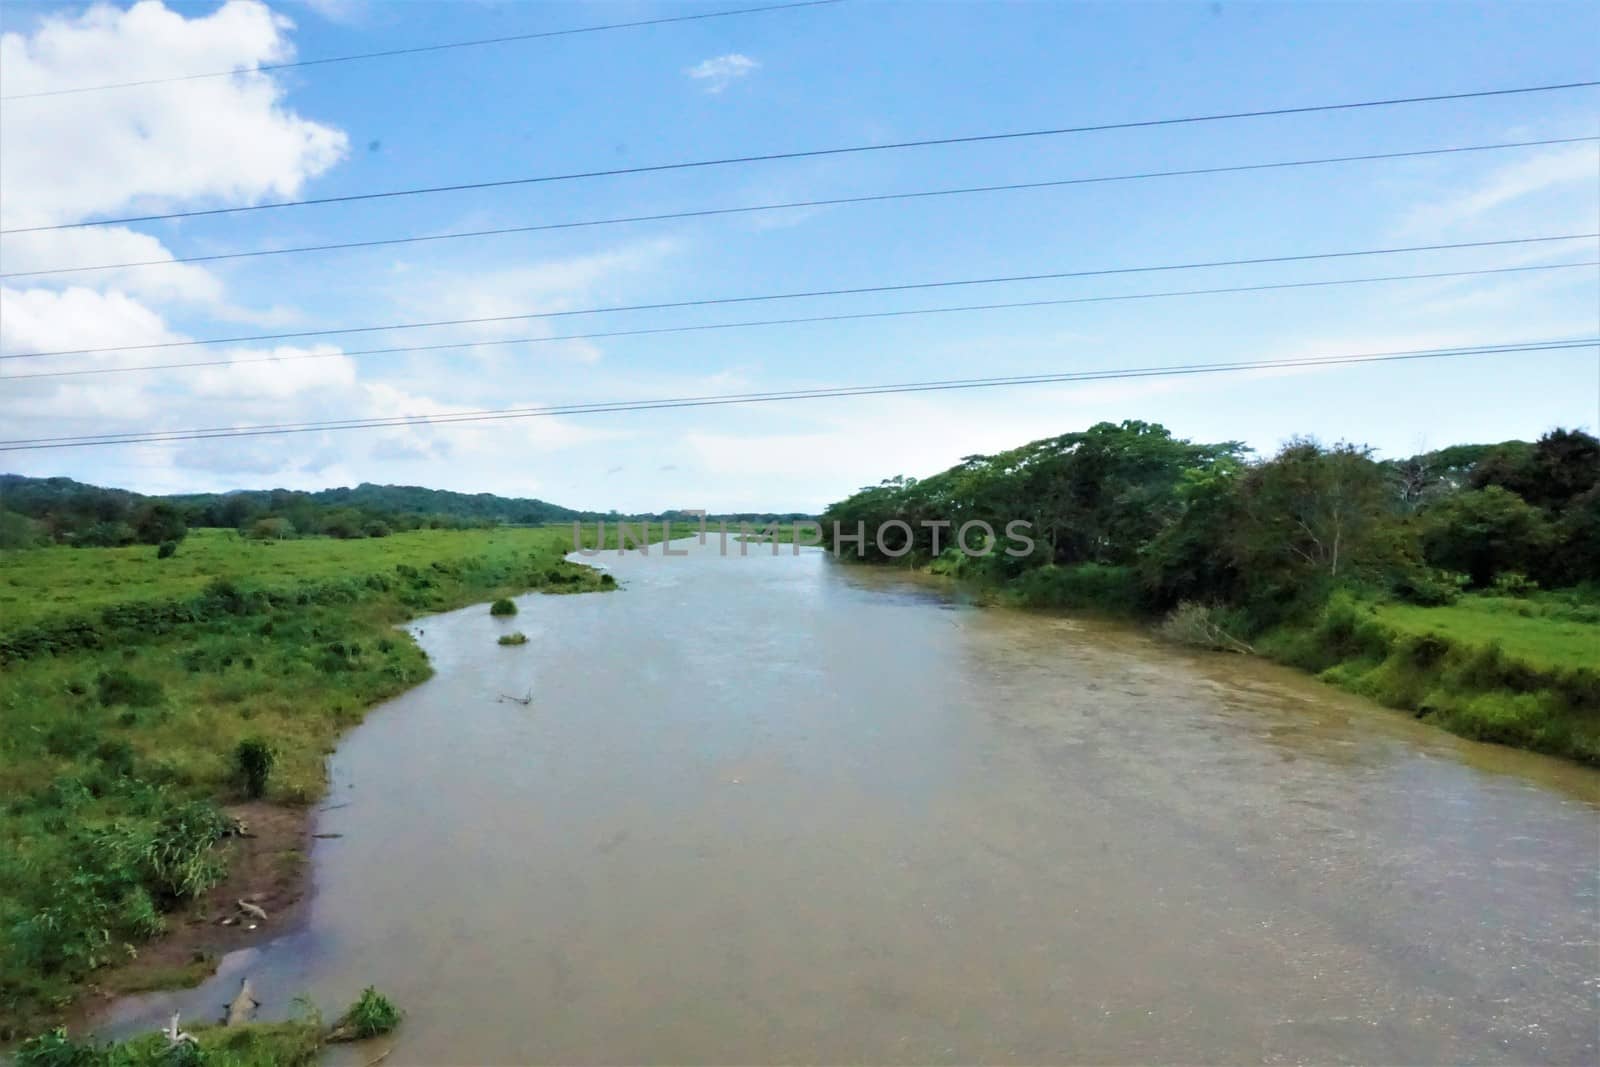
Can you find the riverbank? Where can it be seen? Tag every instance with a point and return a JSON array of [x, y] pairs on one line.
[[130, 691], [1513, 670]]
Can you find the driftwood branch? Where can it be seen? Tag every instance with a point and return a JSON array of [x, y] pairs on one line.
[[176, 1036]]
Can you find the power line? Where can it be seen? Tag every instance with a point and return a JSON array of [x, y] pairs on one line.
[[213, 433], [831, 202], [815, 152], [792, 321], [859, 290], [418, 49]]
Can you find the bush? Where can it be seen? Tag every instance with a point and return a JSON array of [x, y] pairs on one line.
[[1429, 587], [56, 1049], [253, 759], [370, 1016], [167, 550], [518, 638], [117, 686], [271, 528], [1514, 583], [502, 607], [1116, 590]]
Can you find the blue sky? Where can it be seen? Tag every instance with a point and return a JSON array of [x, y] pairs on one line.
[[852, 73]]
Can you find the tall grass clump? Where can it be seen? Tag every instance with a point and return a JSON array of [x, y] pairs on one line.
[[502, 606], [253, 759], [372, 1015]]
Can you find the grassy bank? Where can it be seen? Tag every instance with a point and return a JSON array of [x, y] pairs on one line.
[[135, 692], [292, 1043], [1516, 671], [1522, 671]]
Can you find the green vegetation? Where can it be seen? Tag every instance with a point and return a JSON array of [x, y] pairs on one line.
[[136, 697], [41, 511], [503, 606], [287, 1044], [372, 1015], [517, 638], [1416, 582], [253, 758]]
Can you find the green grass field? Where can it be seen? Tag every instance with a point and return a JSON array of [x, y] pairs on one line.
[[1516, 671], [130, 686], [1547, 631], [43, 583]]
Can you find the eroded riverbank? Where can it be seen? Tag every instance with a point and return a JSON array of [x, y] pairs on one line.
[[772, 809]]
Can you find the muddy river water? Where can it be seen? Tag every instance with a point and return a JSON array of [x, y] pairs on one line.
[[776, 810]]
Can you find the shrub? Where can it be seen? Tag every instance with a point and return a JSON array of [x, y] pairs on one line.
[[271, 528], [371, 1015], [518, 638], [177, 861], [1087, 585], [117, 686], [1514, 583], [56, 1049], [502, 607], [167, 550], [1429, 587], [253, 759]]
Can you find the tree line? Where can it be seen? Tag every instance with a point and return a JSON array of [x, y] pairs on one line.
[[44, 511], [1128, 513]]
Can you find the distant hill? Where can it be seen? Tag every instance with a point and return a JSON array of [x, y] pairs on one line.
[[62, 510], [406, 500]]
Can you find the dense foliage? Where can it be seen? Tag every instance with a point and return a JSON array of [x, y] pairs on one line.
[[1128, 518], [1267, 536]]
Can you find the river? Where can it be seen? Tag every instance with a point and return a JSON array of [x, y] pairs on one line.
[[776, 809]]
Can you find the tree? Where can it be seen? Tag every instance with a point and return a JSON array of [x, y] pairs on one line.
[[19, 531], [1189, 560], [271, 528], [158, 521], [1312, 516], [1485, 532], [1577, 542], [1562, 466]]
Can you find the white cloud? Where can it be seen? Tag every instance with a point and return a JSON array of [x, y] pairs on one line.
[[722, 71], [217, 139], [94, 246], [44, 320]]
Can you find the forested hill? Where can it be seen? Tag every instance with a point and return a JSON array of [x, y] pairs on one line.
[[35, 511], [414, 500]]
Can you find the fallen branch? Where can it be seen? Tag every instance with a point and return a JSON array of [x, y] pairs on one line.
[[175, 1036]]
